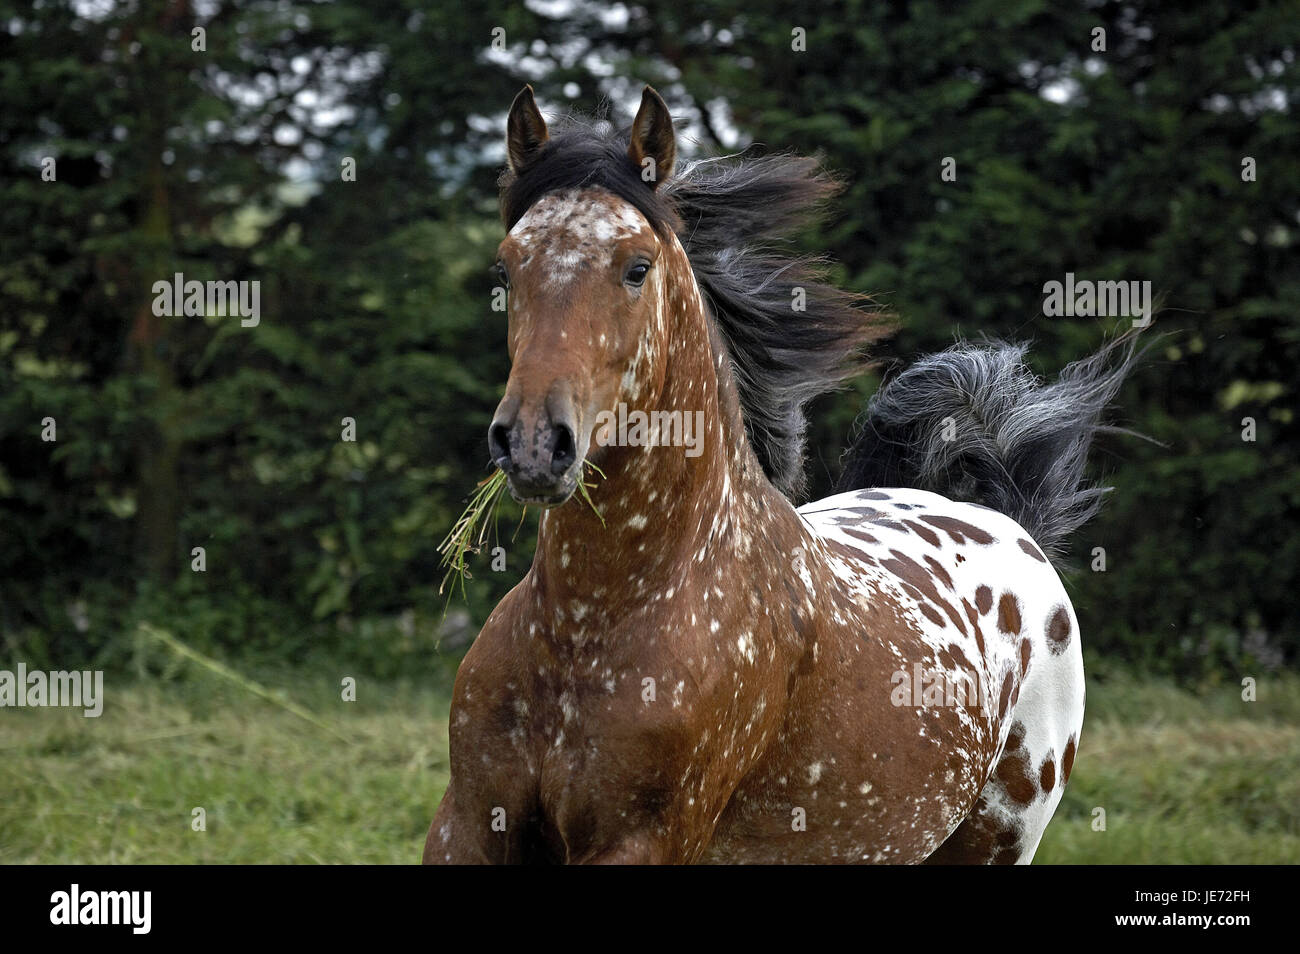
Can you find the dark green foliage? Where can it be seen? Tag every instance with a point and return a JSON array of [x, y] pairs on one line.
[[182, 432]]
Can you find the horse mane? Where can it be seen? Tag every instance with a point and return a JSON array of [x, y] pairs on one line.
[[733, 216]]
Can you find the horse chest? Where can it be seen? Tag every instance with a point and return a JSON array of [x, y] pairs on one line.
[[651, 740]]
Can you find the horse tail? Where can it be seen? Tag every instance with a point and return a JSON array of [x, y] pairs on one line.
[[974, 423]]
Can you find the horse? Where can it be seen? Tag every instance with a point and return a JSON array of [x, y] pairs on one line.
[[693, 669]]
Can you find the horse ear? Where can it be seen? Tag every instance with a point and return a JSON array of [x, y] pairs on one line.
[[525, 131], [653, 147]]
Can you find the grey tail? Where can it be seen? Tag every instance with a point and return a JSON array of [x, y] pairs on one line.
[[974, 423]]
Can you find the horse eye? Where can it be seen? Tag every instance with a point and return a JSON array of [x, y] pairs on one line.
[[636, 274], [502, 275]]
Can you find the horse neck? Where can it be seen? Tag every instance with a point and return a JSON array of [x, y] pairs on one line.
[[661, 509]]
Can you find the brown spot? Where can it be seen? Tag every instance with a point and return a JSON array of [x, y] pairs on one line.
[[1016, 737], [959, 655], [890, 525], [959, 529], [1047, 775], [937, 569], [925, 533], [852, 554], [1025, 651], [974, 621], [932, 614], [865, 512], [1032, 550], [920, 584], [1013, 772], [1067, 763], [1058, 631], [1009, 614], [846, 521], [1004, 697], [983, 599], [861, 535], [981, 839]]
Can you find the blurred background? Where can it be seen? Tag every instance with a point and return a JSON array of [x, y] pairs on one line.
[[345, 156]]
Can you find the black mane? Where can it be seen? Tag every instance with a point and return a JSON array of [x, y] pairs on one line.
[[728, 213]]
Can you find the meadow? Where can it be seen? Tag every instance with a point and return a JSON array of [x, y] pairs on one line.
[[1184, 774], [272, 476]]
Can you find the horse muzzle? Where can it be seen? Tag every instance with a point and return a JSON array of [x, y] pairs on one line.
[[538, 451]]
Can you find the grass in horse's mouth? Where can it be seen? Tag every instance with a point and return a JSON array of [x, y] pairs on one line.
[[470, 531], [586, 494]]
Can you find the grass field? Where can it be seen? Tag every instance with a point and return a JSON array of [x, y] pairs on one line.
[[1182, 776]]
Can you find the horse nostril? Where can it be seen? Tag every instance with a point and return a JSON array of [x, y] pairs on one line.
[[565, 451], [499, 446]]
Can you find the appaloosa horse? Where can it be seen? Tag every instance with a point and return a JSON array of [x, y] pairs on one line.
[[709, 674]]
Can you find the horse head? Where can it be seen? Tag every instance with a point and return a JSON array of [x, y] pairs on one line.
[[587, 302]]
